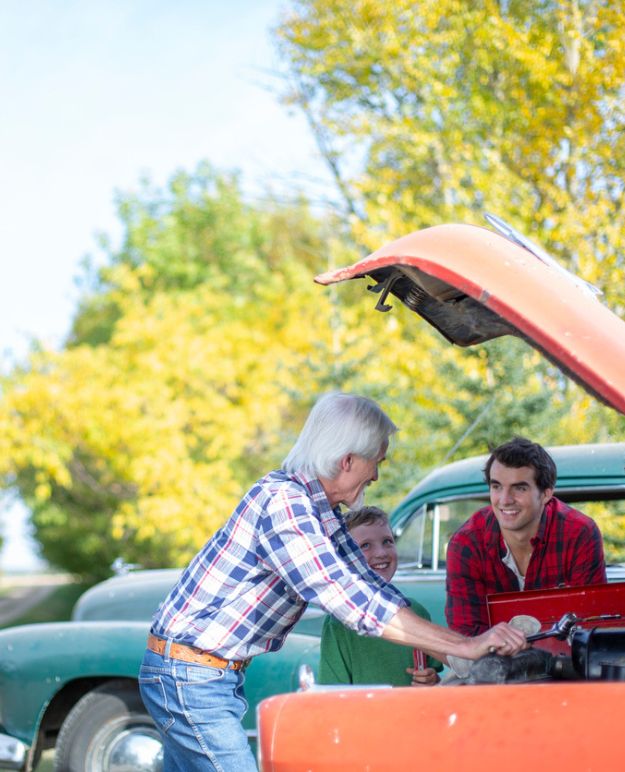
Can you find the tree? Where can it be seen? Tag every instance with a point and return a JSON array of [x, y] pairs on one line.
[[138, 438], [188, 373], [435, 111], [432, 112], [201, 342]]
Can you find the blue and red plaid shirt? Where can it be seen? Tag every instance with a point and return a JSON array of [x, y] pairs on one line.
[[282, 548], [568, 551]]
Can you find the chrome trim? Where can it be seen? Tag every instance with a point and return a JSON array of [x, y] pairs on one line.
[[436, 538], [305, 678], [422, 574], [12, 752]]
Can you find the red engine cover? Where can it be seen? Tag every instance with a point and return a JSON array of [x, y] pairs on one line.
[[548, 606]]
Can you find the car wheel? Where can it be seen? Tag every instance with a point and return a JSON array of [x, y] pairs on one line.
[[109, 730]]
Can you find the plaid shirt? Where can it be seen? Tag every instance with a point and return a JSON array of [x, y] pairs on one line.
[[568, 551], [282, 548]]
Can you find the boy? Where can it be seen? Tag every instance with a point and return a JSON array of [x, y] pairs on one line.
[[348, 658]]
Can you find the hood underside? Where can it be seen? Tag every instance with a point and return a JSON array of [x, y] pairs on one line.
[[473, 285]]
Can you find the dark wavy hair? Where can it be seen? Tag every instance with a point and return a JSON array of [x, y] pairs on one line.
[[519, 452]]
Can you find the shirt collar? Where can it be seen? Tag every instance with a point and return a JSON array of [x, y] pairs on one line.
[[508, 560], [330, 519], [545, 518]]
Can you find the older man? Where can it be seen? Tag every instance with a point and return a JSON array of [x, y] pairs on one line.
[[284, 546]]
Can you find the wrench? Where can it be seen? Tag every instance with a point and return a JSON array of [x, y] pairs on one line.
[[563, 627], [559, 629]]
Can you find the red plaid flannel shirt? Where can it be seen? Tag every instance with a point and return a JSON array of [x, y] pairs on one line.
[[568, 551]]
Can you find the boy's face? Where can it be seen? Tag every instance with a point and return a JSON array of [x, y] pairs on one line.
[[378, 546]]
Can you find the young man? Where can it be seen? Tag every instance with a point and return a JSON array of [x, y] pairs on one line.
[[525, 540], [284, 546], [349, 658]]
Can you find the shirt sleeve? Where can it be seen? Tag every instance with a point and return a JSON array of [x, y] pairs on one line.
[[465, 608], [358, 562], [334, 665], [293, 544]]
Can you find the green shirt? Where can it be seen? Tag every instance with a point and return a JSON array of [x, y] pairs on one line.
[[349, 658]]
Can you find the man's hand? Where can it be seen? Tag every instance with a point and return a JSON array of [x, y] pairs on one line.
[[427, 677], [411, 630], [500, 639]]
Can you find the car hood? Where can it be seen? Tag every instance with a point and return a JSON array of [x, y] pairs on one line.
[[473, 284]]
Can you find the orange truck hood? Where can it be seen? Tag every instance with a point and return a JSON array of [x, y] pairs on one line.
[[473, 284], [519, 728]]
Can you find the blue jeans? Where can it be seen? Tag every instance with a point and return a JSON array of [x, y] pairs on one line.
[[197, 710]]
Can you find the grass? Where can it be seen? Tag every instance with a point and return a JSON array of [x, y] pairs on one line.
[[56, 607], [47, 762]]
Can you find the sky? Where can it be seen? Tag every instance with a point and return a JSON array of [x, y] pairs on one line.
[[95, 95]]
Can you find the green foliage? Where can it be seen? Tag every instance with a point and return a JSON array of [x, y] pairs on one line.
[[197, 232], [441, 109], [201, 342], [138, 439]]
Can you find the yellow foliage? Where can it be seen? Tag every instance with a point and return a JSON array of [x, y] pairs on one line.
[[463, 107], [441, 109]]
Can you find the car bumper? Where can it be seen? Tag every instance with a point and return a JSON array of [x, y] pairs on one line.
[[12, 752]]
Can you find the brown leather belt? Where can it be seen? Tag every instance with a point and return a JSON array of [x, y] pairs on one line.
[[191, 654]]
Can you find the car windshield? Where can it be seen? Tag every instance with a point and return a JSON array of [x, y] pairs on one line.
[[422, 543], [422, 540]]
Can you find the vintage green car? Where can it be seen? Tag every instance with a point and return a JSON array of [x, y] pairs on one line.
[[73, 685]]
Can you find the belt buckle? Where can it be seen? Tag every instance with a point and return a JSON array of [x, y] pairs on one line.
[[239, 664]]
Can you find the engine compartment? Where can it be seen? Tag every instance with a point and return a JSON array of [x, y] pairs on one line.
[[577, 633], [596, 654]]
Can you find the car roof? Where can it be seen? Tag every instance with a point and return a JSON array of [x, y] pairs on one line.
[[473, 285], [133, 596], [581, 468]]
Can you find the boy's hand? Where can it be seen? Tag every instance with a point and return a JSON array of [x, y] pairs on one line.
[[427, 677]]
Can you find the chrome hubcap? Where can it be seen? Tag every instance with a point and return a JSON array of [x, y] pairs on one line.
[[126, 748]]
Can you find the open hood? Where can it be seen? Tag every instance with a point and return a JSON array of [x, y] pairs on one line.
[[473, 285]]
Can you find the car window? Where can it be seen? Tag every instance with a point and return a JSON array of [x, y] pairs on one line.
[[414, 540], [452, 514], [422, 540], [610, 517], [429, 529]]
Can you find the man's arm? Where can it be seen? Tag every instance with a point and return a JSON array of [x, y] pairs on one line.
[[408, 628], [466, 610], [292, 543], [588, 562]]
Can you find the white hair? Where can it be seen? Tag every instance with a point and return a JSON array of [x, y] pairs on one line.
[[338, 424]]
